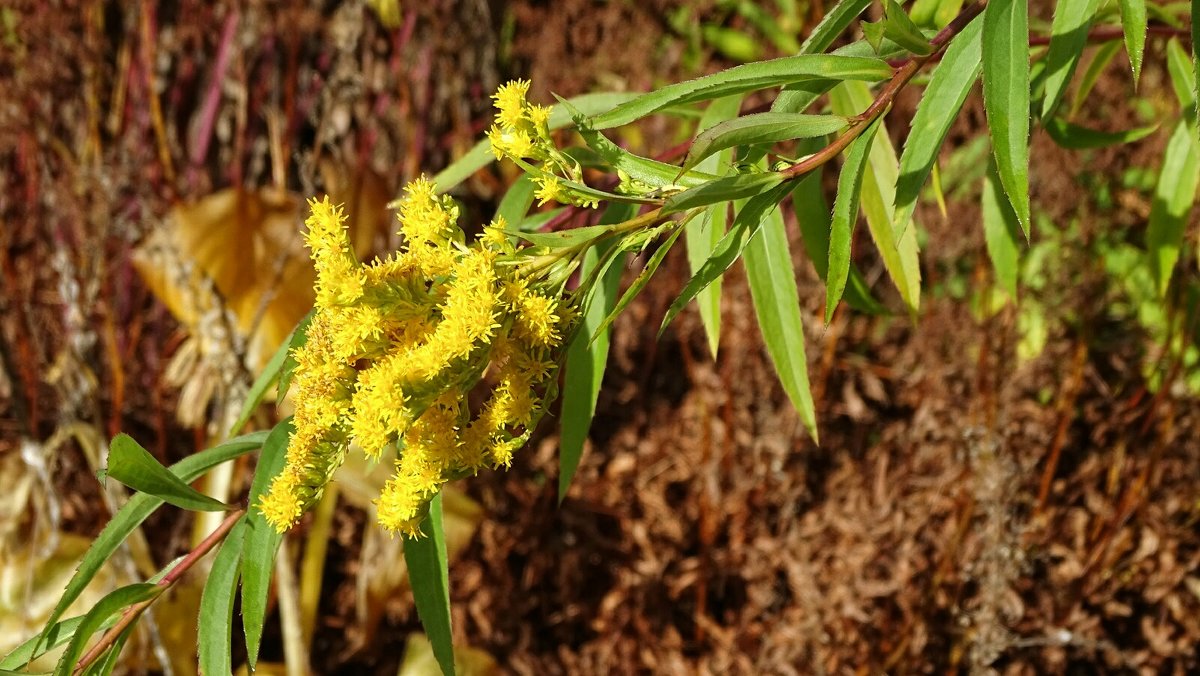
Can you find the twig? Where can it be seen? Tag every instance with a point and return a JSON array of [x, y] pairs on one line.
[[132, 612]]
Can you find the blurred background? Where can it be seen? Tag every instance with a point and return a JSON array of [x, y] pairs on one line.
[[996, 488]]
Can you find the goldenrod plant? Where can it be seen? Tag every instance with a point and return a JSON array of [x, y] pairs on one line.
[[441, 358]]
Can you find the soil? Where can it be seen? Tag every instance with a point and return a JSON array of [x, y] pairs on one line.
[[964, 511]]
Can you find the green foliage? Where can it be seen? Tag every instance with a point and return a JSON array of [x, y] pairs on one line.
[[428, 568], [826, 106]]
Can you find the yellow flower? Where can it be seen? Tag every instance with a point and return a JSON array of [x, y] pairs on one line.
[[340, 277], [537, 319], [510, 103], [550, 189]]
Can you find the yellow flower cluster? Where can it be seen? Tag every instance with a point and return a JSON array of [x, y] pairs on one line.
[[522, 133], [395, 346]]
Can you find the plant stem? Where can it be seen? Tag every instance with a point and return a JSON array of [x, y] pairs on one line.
[[886, 96], [133, 612]]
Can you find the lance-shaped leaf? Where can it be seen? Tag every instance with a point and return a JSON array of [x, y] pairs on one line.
[[587, 359], [1173, 200], [1006, 97], [899, 28], [940, 104], [133, 466], [133, 513], [1091, 75], [760, 128], [651, 172], [640, 281], [1076, 137], [896, 241], [1068, 37], [746, 78], [702, 234], [833, 24], [1001, 231], [1183, 79], [258, 390], [214, 631], [747, 222], [726, 189], [429, 572], [297, 340], [1195, 59], [516, 202], [110, 605], [777, 306], [1133, 23], [261, 541], [845, 216]]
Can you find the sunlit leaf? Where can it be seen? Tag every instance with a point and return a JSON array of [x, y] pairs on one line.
[[133, 466], [939, 106], [833, 24], [746, 78], [1006, 97], [135, 511], [1173, 199], [104, 609], [214, 637], [760, 128], [899, 28], [777, 306], [1068, 37], [845, 217], [1001, 231], [726, 189], [261, 541], [702, 234], [745, 224], [428, 568], [640, 281], [586, 359], [1133, 21]]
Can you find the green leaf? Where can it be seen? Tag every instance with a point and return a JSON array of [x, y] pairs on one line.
[[258, 390], [480, 155], [135, 511], [214, 632], [725, 189], [747, 222], [845, 217], [428, 569], [899, 28], [587, 359], [833, 24], [1173, 200], [56, 635], [640, 281], [651, 172], [105, 608], [516, 202], [1179, 66], [1133, 21], [295, 341], [760, 128], [133, 466], [562, 238], [895, 240], [873, 33], [1068, 37], [815, 221], [703, 233], [1195, 58], [1001, 231], [108, 660], [1006, 97], [940, 104], [746, 78], [261, 541], [1100, 60], [1076, 137], [777, 306]]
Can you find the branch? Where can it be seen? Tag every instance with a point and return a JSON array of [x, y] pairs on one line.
[[886, 96], [133, 612]]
